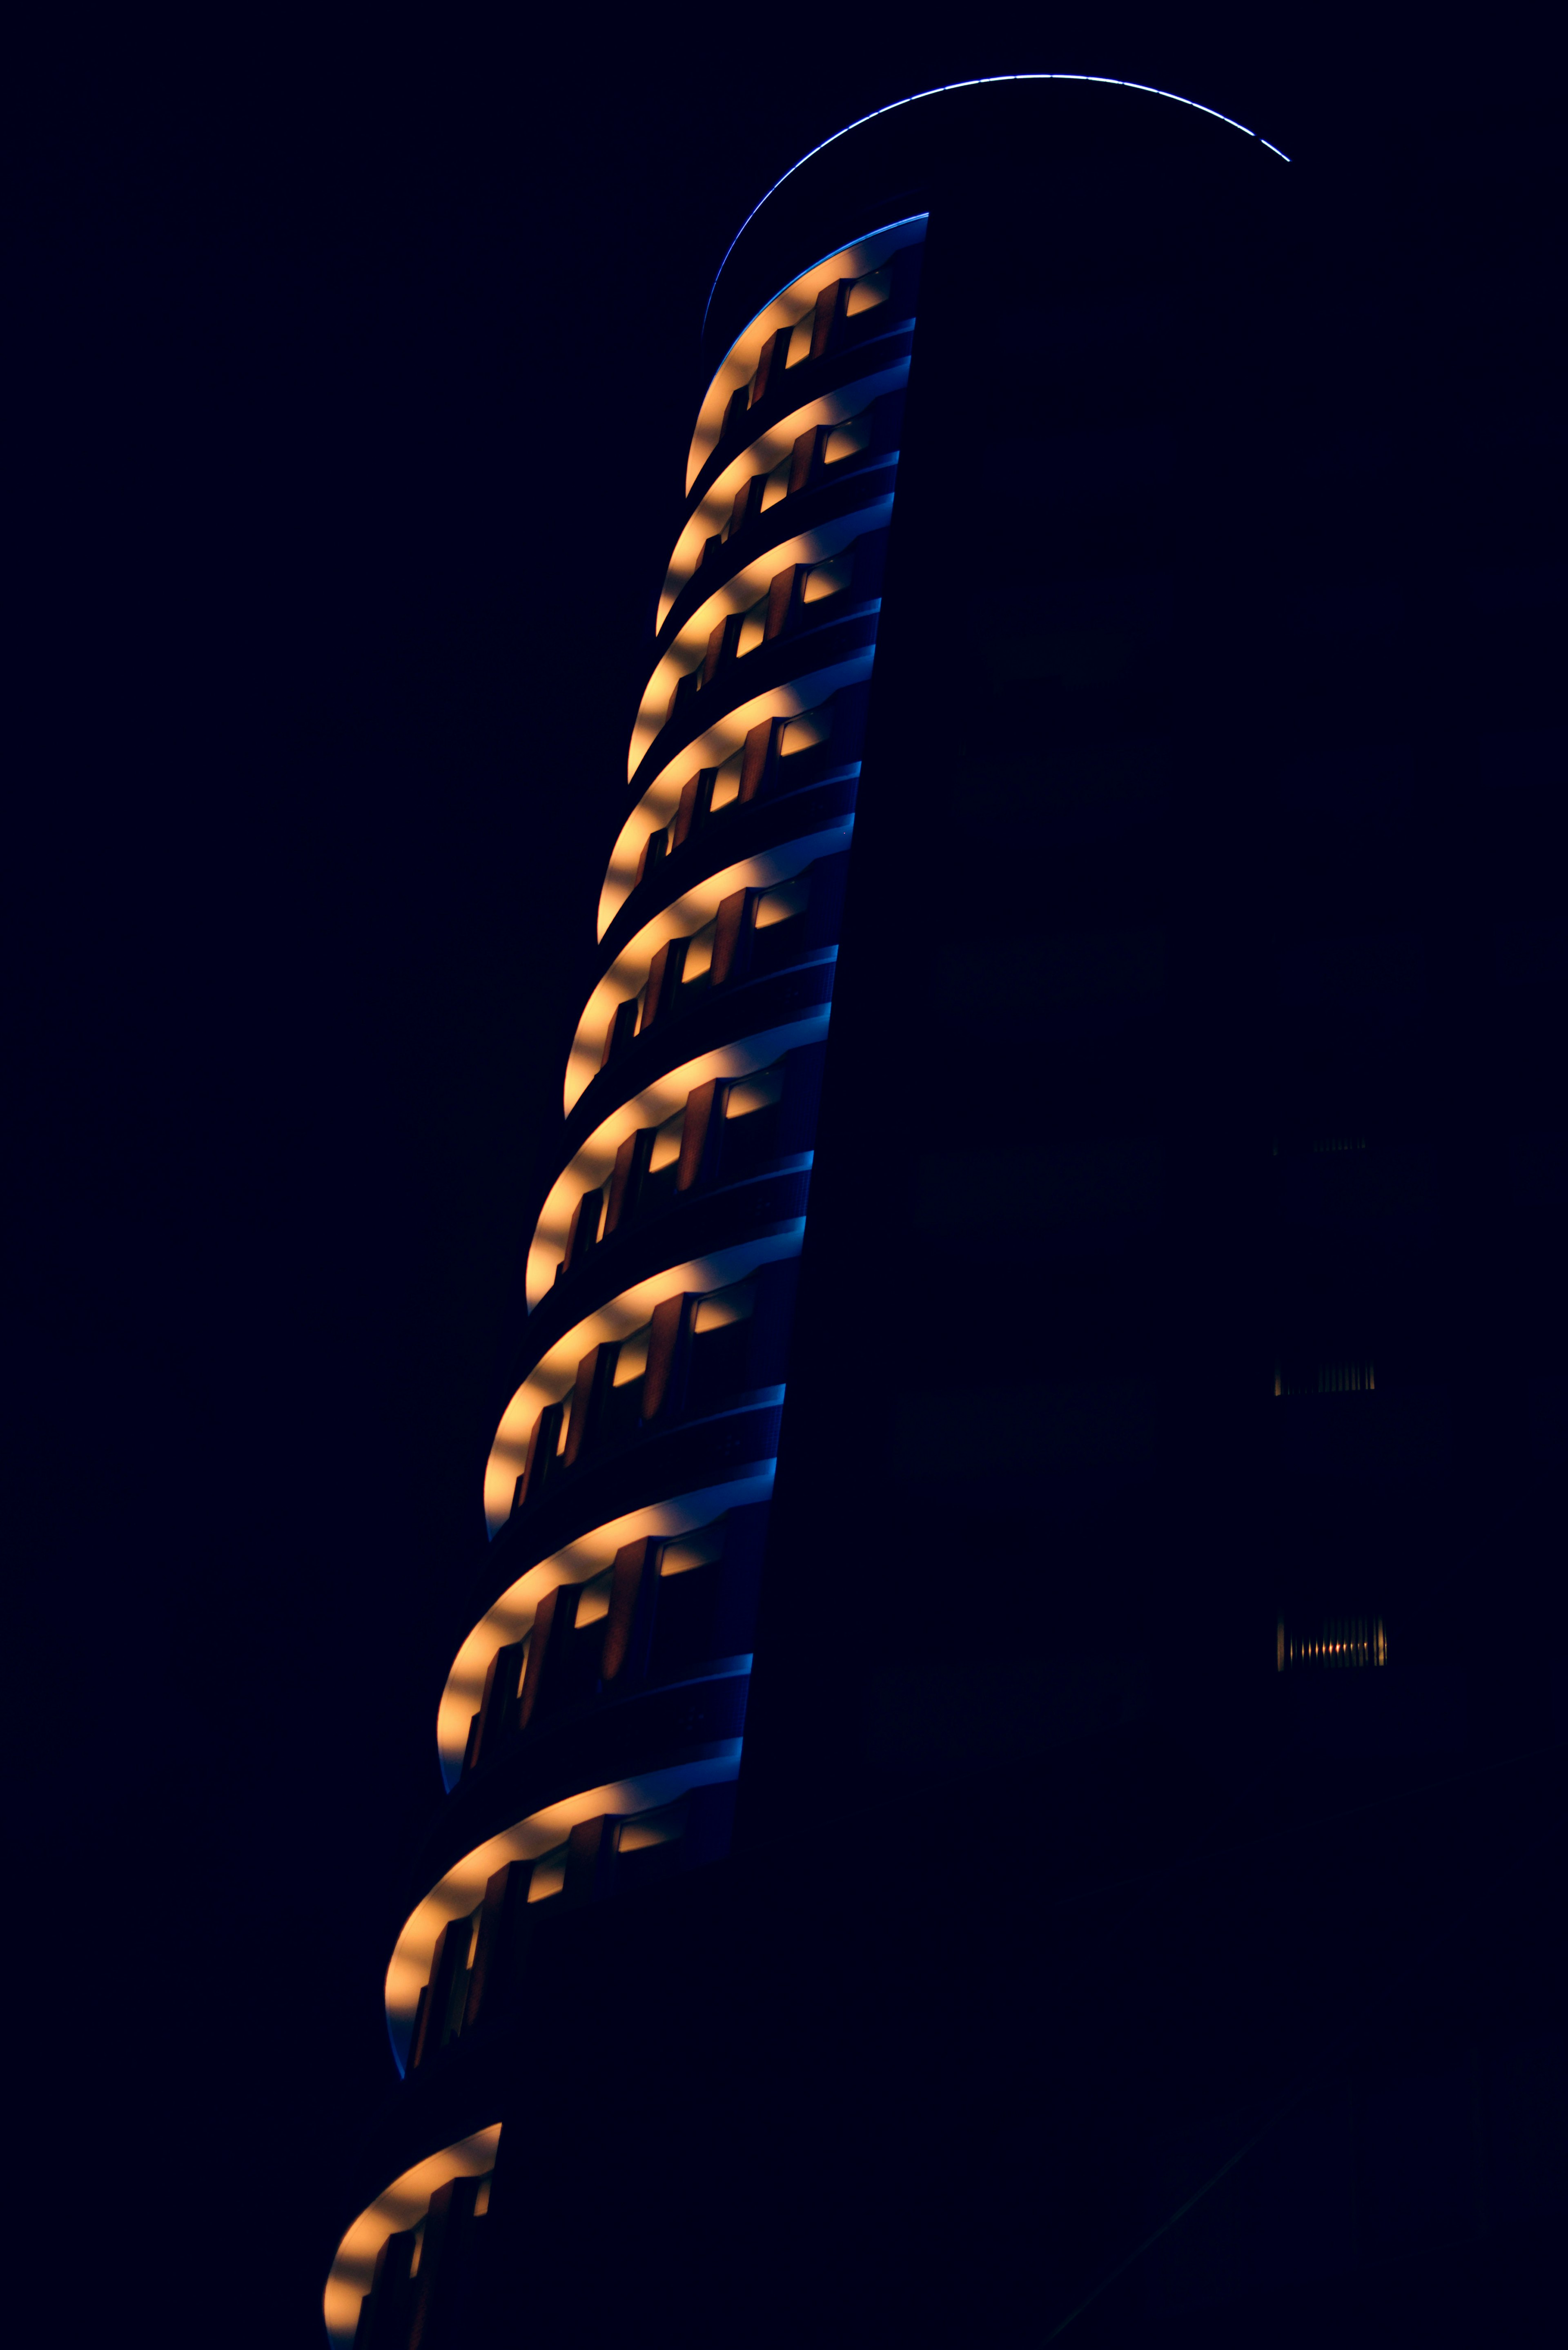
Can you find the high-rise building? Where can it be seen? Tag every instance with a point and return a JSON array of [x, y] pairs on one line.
[[1050, 1160]]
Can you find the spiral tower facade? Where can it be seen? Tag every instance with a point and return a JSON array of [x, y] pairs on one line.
[[1037, 1335], [592, 1724]]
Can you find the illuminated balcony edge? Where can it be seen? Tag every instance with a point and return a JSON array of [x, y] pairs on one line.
[[718, 1018], [551, 1379], [786, 308], [659, 798], [615, 1736], [684, 915], [600, 1720], [738, 829], [692, 1224], [594, 1158], [511, 1616], [399, 2205], [844, 365], [744, 589], [816, 651], [845, 401], [459, 1890]]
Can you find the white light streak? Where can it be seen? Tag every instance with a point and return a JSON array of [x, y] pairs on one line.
[[978, 81]]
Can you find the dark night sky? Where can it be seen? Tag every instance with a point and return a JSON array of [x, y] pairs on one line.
[[351, 370]]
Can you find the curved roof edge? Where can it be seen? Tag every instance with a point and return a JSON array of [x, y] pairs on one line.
[[975, 81]]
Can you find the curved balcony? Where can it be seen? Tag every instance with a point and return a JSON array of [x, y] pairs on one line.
[[684, 1227], [650, 1825], [838, 471], [561, 1650], [579, 1495], [687, 1721], [833, 311], [522, 1568], [826, 390], [809, 620], [794, 1000], [578, 1405], [557, 1833], [591, 1721], [771, 762], [702, 1347], [403, 2194], [717, 839], [659, 1109], [773, 913], [485, 1960]]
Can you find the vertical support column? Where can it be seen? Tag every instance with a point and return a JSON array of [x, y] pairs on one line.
[[497, 1706], [618, 1034], [440, 2008], [668, 1358], [663, 981], [828, 317], [541, 1452], [634, 1598], [441, 2280], [696, 799], [547, 1681], [702, 1127], [384, 2312], [631, 1163], [496, 1975], [583, 1236], [760, 758], [590, 1862], [594, 1373]]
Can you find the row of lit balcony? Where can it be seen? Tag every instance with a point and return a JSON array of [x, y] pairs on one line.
[[863, 441], [697, 1355], [803, 595], [480, 1962], [754, 933], [848, 314], [776, 758], [726, 1131], [602, 1752], [661, 1611]]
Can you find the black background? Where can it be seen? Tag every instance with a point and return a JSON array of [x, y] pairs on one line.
[[351, 369]]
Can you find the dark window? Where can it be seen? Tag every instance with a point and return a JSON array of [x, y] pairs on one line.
[[720, 1335]]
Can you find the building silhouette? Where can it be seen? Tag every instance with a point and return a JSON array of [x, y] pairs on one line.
[[1050, 1252]]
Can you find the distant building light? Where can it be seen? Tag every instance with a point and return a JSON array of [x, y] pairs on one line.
[[1354, 1640]]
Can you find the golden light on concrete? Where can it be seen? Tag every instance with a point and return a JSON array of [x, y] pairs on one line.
[[786, 309], [552, 1377], [460, 1890], [512, 1614], [720, 742], [814, 429], [768, 450], [688, 913], [398, 2207], [595, 1161], [738, 595]]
